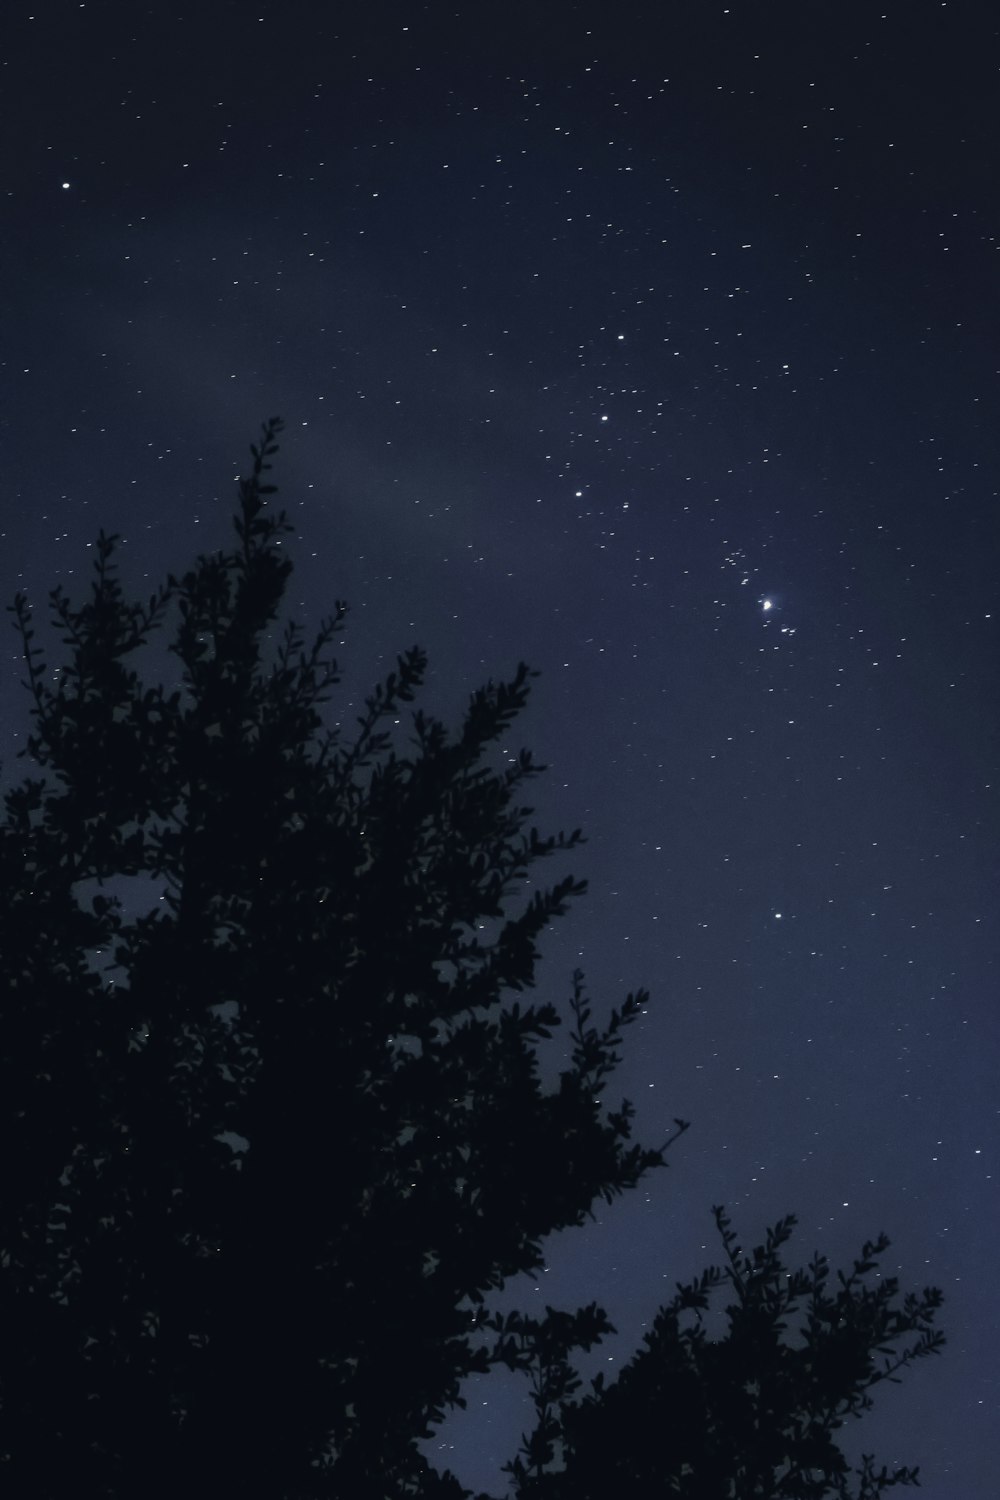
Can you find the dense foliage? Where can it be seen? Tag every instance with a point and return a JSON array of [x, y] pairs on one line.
[[269, 1147]]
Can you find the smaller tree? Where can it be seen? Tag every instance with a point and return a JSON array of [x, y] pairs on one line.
[[752, 1416]]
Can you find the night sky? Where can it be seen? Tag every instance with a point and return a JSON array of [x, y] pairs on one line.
[[656, 345]]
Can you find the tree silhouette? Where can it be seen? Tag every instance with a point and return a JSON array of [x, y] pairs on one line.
[[269, 1147], [746, 1415]]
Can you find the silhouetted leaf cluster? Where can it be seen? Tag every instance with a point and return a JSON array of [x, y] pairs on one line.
[[752, 1414]]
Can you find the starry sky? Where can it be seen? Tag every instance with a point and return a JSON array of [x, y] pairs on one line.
[[654, 344]]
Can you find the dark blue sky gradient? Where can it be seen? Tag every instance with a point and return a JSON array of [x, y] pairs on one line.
[[593, 330]]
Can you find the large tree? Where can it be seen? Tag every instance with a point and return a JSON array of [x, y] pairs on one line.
[[269, 1147]]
